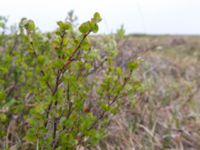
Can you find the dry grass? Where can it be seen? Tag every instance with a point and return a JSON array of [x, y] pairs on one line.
[[166, 112]]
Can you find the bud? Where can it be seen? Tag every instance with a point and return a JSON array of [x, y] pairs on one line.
[[87, 106], [79, 137]]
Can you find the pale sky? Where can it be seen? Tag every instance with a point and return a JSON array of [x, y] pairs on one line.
[[138, 16]]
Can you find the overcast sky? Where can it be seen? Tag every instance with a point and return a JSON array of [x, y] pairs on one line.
[[138, 16]]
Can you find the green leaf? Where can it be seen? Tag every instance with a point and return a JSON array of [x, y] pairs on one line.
[[97, 17], [94, 27], [85, 45], [60, 24], [64, 25], [105, 107], [67, 25], [133, 65], [41, 59], [88, 66], [58, 63], [85, 27], [31, 25], [28, 24]]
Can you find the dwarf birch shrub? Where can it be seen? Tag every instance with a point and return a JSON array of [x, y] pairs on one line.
[[56, 90]]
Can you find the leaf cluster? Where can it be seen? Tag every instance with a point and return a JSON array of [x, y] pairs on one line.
[[57, 91]]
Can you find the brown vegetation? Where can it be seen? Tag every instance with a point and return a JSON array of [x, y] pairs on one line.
[[165, 114]]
